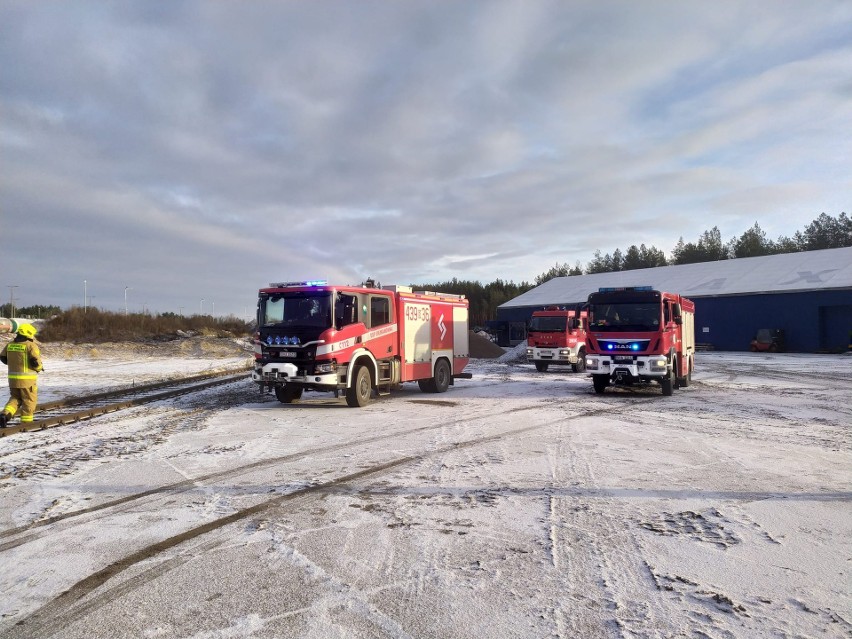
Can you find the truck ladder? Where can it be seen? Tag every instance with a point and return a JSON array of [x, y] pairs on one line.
[[385, 380]]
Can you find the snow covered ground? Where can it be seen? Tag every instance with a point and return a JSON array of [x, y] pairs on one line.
[[517, 504]]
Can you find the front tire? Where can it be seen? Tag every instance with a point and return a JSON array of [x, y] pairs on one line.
[[541, 367], [600, 382], [288, 393], [580, 366], [358, 395], [667, 383]]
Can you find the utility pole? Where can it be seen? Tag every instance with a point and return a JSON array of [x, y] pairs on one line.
[[201, 308], [125, 300], [85, 296], [12, 301]]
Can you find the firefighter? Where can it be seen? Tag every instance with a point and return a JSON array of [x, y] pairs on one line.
[[23, 358]]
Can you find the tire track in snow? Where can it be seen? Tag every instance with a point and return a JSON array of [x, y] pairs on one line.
[[66, 607], [203, 481]]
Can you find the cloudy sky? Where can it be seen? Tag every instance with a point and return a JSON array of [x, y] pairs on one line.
[[199, 150]]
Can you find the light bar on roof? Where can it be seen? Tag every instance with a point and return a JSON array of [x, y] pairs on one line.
[[613, 289], [301, 283]]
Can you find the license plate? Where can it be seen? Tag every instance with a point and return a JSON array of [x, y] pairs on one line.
[[287, 353], [623, 358]]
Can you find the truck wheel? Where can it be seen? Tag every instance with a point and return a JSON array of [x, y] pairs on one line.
[[541, 367], [442, 376], [358, 395], [683, 382], [667, 384], [288, 393], [580, 366], [600, 382], [427, 385]]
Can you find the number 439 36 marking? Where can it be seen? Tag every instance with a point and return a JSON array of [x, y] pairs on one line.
[[415, 313]]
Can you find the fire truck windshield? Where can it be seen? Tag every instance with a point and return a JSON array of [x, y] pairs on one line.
[[296, 309], [624, 317], [549, 324]]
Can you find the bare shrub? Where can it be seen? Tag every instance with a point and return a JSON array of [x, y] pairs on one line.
[[97, 326]]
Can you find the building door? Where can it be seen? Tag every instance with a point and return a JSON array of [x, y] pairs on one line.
[[835, 328]]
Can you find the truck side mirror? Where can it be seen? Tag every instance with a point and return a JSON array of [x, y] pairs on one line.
[[677, 316]]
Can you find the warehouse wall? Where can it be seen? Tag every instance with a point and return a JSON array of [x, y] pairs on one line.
[[812, 321]]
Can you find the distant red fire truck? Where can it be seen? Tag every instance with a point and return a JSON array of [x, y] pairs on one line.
[[640, 335], [358, 340], [557, 336]]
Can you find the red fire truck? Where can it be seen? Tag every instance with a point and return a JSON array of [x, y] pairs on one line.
[[557, 336], [312, 336], [640, 335]]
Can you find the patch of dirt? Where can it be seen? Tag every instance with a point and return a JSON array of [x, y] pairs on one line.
[[202, 346], [483, 348], [196, 346]]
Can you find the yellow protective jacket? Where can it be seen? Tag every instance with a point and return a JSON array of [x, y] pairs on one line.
[[23, 358]]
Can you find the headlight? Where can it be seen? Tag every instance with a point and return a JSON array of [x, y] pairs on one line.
[[592, 363], [529, 352], [326, 367], [563, 352], [658, 364]]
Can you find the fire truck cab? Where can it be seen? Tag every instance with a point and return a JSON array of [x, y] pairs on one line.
[[640, 335], [357, 340], [557, 336]]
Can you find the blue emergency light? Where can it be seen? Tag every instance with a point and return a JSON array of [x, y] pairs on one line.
[[613, 289], [301, 283]]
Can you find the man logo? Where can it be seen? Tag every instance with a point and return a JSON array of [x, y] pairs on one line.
[[441, 326]]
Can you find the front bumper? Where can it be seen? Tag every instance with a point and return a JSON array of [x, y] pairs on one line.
[[551, 355], [628, 367], [277, 373]]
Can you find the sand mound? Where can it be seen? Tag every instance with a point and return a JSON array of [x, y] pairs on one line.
[[483, 348]]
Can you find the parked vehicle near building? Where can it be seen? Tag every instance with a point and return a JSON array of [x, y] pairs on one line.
[[638, 335], [557, 336]]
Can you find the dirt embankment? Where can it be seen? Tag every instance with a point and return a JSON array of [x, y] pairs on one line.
[[200, 346], [483, 348]]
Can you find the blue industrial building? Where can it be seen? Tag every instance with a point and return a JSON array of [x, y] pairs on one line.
[[807, 296]]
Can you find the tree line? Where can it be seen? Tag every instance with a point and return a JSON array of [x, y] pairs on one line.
[[823, 233], [38, 311]]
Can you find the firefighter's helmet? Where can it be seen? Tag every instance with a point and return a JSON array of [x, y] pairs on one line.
[[27, 330]]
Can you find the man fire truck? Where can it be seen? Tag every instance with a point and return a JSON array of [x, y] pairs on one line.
[[640, 335], [312, 336], [557, 336]]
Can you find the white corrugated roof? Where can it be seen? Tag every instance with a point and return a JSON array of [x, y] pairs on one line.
[[786, 273]]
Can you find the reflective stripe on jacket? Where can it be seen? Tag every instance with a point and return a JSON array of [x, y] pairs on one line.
[[24, 362]]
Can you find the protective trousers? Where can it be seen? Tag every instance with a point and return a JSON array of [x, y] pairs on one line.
[[25, 398]]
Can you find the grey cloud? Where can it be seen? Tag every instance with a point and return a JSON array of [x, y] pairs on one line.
[[210, 147]]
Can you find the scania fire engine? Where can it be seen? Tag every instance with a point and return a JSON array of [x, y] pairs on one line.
[[557, 336], [358, 340], [640, 335]]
